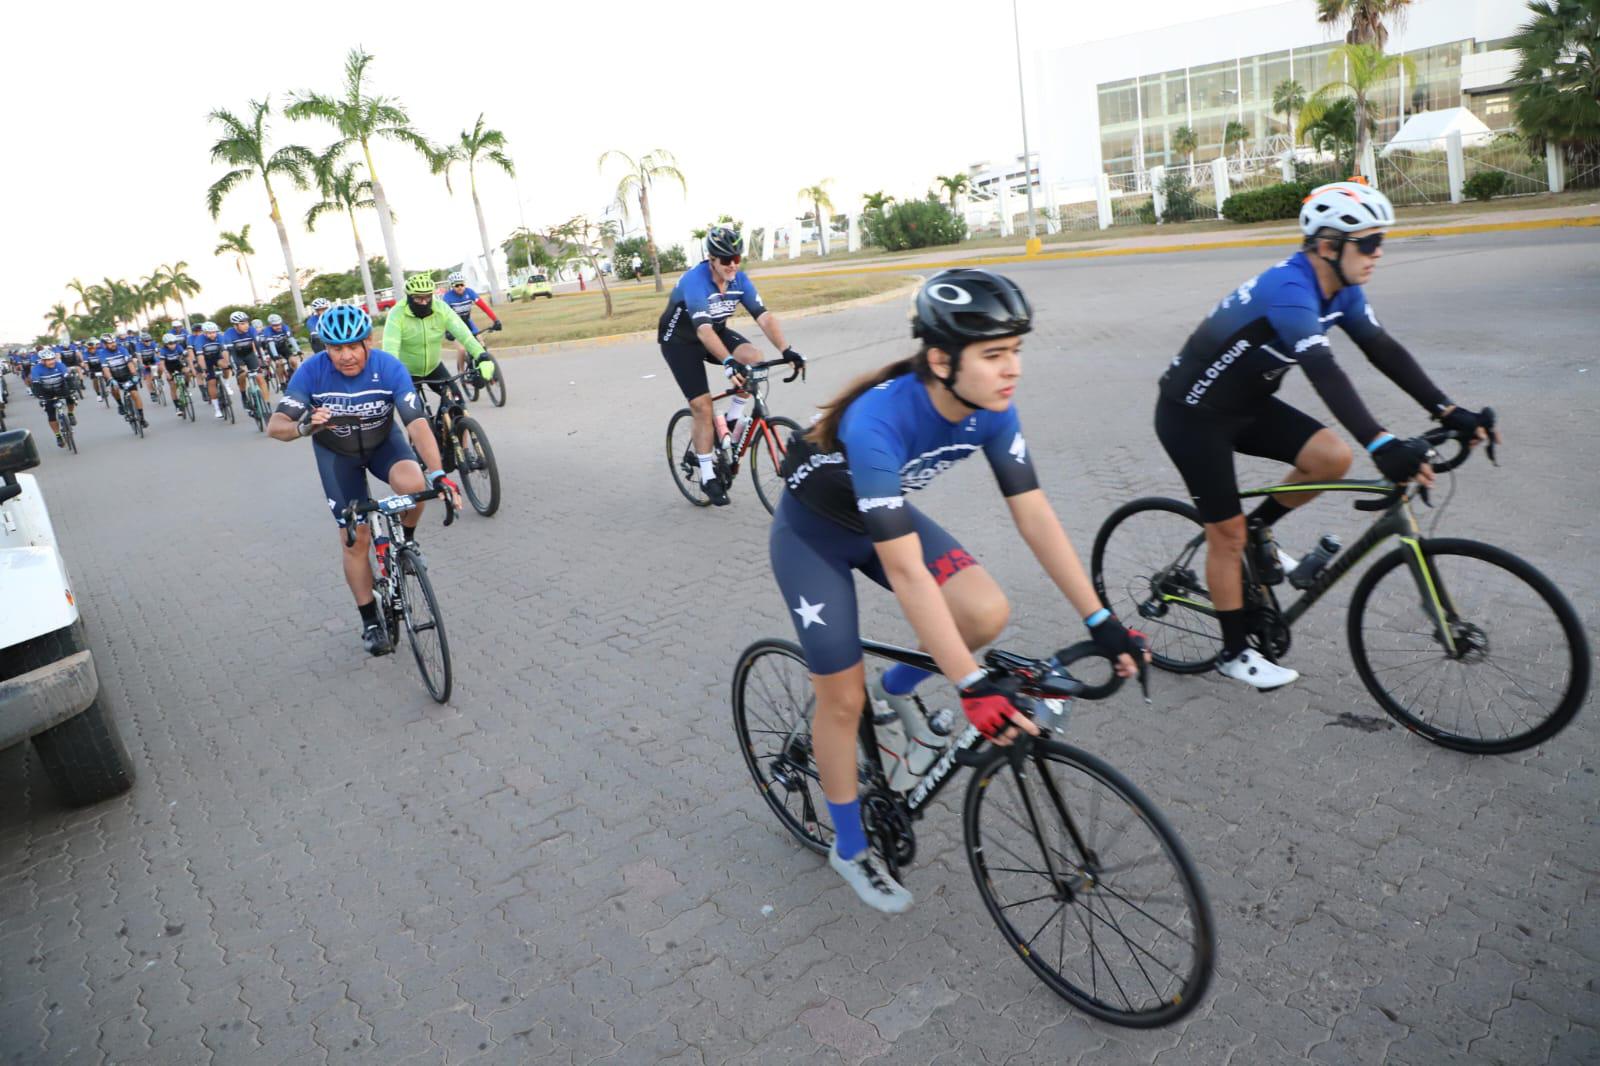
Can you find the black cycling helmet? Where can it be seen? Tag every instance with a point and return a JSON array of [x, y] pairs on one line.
[[724, 241], [954, 308]]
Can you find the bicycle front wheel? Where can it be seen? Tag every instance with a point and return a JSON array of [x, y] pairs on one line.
[[767, 450], [1513, 669], [497, 386], [1149, 566], [480, 476], [681, 461], [1089, 885], [424, 626]]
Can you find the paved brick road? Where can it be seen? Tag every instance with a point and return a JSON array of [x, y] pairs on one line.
[[569, 861]]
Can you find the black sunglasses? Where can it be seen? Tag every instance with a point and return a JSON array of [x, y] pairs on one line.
[[728, 260], [1369, 244]]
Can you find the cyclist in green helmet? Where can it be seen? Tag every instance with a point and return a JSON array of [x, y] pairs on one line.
[[415, 329]]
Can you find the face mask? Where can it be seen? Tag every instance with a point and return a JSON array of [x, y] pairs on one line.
[[421, 310]]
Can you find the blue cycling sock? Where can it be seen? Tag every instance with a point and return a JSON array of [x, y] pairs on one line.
[[900, 679], [852, 839]]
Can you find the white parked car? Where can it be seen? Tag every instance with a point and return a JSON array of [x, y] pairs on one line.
[[49, 691]]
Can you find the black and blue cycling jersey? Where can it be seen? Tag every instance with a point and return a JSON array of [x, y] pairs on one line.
[[363, 406], [116, 359], [462, 304], [892, 440], [1236, 359], [281, 341], [240, 340], [696, 302], [50, 380]]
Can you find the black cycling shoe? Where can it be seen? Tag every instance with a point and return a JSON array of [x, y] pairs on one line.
[[72, 416], [376, 641], [142, 422], [715, 492], [1269, 568]]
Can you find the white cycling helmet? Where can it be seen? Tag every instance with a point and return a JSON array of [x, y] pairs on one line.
[[238, 317], [274, 320], [320, 304], [256, 323], [457, 278], [208, 327], [1346, 206], [169, 338]]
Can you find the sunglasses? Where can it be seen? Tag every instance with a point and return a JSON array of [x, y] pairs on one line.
[[728, 260], [1369, 244]]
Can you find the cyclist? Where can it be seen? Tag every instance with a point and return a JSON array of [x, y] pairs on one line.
[[460, 299], [281, 345], [1217, 398], [415, 332], [888, 433], [51, 381], [244, 352], [363, 388], [213, 354], [174, 361], [693, 331], [92, 351], [146, 351], [319, 307], [121, 367]]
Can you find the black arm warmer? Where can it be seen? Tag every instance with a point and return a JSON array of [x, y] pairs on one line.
[[1387, 354], [1336, 391]]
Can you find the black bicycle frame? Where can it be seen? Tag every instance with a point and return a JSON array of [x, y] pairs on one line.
[[939, 773]]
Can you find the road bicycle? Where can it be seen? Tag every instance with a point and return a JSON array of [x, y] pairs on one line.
[[760, 433], [185, 399], [496, 385], [463, 445], [225, 397], [1461, 642], [152, 382], [255, 404], [56, 407], [130, 412], [400, 583], [1080, 872]]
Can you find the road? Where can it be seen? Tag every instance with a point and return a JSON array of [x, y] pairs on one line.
[[569, 862]]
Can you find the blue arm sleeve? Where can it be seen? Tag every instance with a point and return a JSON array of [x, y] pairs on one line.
[[874, 456], [1008, 457]]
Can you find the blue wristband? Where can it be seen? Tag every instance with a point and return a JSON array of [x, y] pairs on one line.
[[1099, 616], [1379, 441]]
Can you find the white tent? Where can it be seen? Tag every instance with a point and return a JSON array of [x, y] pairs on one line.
[[1428, 131]]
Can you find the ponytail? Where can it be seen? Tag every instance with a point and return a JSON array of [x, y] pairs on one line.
[[824, 433]]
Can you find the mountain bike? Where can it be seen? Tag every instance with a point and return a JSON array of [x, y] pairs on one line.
[[1080, 872], [400, 582], [463, 445], [496, 385], [1461, 642], [772, 430]]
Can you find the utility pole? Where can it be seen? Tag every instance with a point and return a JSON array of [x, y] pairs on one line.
[[1022, 103]]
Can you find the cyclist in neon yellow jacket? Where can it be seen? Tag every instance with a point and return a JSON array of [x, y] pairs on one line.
[[414, 334]]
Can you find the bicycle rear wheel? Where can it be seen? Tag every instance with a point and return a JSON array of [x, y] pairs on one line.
[[480, 477], [1519, 668], [681, 461], [424, 626], [767, 450], [1149, 566], [1089, 885]]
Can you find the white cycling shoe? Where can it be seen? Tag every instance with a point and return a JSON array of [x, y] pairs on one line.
[[1250, 667], [865, 874]]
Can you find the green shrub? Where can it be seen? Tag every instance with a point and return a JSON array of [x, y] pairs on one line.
[[674, 259], [913, 224], [1180, 204], [1261, 205], [1485, 184], [1146, 213]]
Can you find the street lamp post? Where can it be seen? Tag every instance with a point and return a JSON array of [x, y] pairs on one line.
[[1022, 103]]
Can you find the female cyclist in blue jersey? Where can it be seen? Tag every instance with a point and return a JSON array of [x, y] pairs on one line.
[[889, 433]]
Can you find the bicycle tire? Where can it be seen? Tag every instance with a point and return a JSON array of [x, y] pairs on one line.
[[1163, 998], [787, 775], [681, 463], [478, 456], [414, 572], [775, 445], [496, 387], [1495, 612], [1188, 645]]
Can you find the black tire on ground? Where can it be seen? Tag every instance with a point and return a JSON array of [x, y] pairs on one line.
[[482, 481], [681, 462], [424, 626], [1182, 640], [84, 758], [497, 387], [764, 467]]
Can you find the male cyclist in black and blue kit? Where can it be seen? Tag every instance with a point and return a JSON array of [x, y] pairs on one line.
[[319, 307], [345, 399], [121, 367], [1217, 399], [693, 331], [51, 381], [461, 299]]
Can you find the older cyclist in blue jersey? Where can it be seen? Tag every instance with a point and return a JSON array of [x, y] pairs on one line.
[[462, 300], [693, 331], [887, 434], [345, 399], [51, 381], [1217, 399]]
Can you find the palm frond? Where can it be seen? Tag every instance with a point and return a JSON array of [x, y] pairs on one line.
[[222, 187]]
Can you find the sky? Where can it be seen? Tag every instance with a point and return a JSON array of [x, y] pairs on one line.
[[109, 168]]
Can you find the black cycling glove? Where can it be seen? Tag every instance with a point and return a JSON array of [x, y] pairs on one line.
[[1113, 638], [792, 356], [497, 327], [1400, 459], [1462, 421]]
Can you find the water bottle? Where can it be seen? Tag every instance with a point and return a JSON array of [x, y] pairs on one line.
[[1305, 575], [380, 547], [892, 745], [927, 735], [724, 438]]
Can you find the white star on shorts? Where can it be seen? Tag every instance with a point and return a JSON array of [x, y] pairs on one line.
[[810, 612]]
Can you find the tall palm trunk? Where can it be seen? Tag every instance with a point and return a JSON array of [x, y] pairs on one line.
[[649, 236], [822, 223], [488, 252], [366, 270], [386, 221], [185, 309], [288, 257], [1362, 136], [255, 300]]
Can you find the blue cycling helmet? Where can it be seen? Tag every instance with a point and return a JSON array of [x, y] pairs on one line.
[[344, 324]]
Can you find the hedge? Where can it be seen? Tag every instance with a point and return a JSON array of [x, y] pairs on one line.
[[1272, 202]]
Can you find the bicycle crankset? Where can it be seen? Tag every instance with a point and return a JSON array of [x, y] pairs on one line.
[[889, 829], [1269, 632]]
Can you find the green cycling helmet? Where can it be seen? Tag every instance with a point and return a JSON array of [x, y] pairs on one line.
[[419, 285]]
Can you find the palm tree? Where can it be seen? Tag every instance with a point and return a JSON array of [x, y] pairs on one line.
[[120, 302], [152, 294], [1235, 133], [343, 190], [1557, 97], [58, 320], [1287, 100], [1184, 142], [877, 201], [1365, 16], [578, 236], [822, 208], [954, 185], [642, 173], [361, 118], [477, 144], [1332, 130], [243, 146], [181, 284], [83, 302], [238, 245], [1366, 67]]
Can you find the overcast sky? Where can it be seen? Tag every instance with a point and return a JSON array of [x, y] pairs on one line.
[[109, 138]]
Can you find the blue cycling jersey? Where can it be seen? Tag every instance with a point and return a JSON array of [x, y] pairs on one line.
[[363, 406], [50, 380], [115, 358], [239, 340], [696, 301], [171, 353], [462, 304], [280, 340], [313, 321], [892, 440]]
